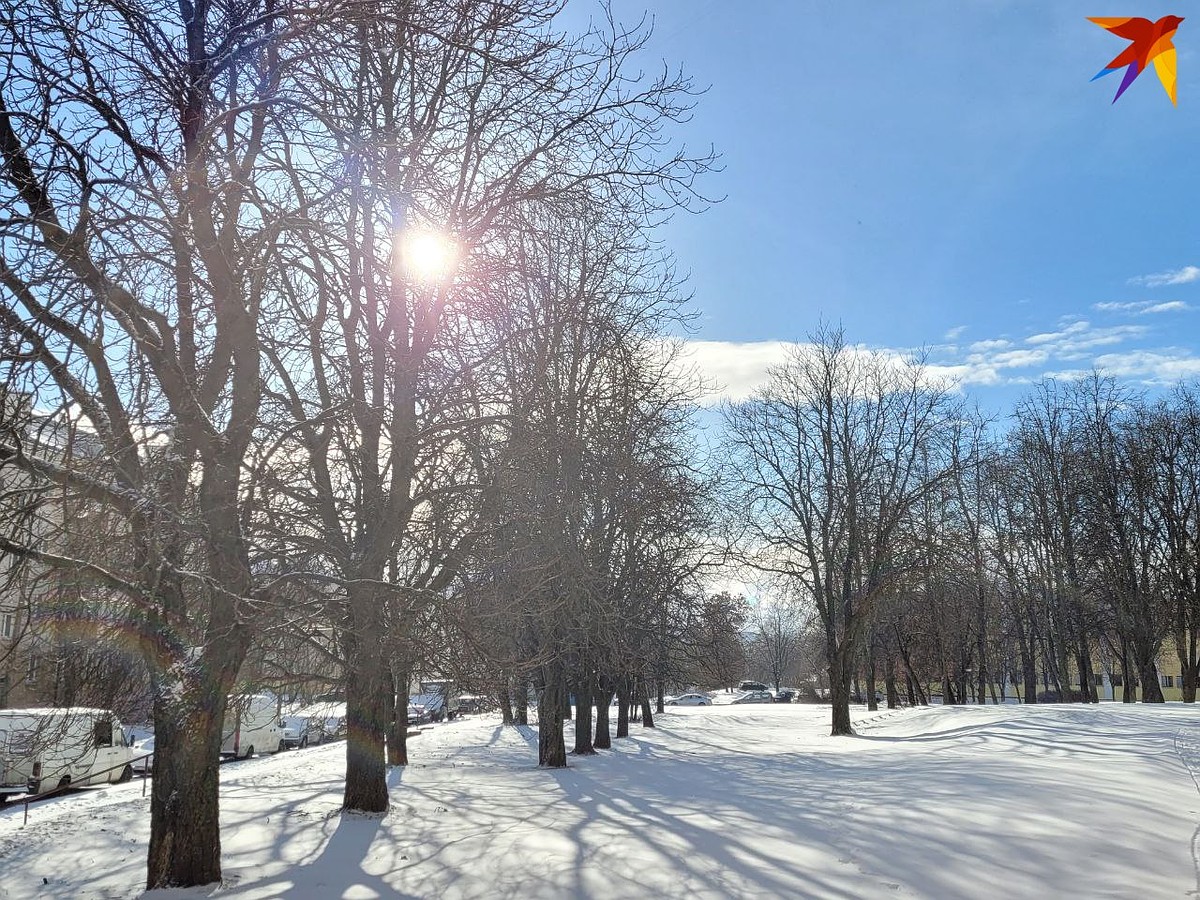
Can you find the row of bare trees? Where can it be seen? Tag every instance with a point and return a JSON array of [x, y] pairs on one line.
[[300, 426], [936, 547]]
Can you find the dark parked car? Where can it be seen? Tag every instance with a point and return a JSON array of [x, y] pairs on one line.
[[785, 696], [753, 686], [755, 697]]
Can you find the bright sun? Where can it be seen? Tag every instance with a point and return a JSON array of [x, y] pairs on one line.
[[428, 255]]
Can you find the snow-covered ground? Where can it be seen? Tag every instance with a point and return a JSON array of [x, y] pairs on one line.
[[724, 801]]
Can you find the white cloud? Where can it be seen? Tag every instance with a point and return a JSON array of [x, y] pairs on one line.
[[955, 333], [1143, 307], [1160, 367], [734, 370], [1074, 340], [987, 346], [1170, 306], [1186, 275]]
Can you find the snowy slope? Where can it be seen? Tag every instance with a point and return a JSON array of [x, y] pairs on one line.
[[725, 801]]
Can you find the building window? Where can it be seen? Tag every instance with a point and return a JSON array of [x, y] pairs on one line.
[[1116, 680], [31, 673], [6, 625], [1168, 681]]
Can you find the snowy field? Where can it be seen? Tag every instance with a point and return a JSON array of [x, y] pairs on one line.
[[725, 801]]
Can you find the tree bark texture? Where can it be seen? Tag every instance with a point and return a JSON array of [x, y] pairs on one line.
[[583, 716], [552, 747], [603, 740], [368, 678]]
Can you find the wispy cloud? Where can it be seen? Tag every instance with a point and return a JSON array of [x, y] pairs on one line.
[[1144, 307], [955, 333], [1073, 340], [1186, 275]]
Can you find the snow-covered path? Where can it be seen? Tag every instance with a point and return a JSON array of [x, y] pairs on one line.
[[725, 801]]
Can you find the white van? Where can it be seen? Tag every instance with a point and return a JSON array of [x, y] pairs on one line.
[[251, 726], [41, 749]]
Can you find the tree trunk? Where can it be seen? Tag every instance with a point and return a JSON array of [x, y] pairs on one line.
[[889, 685], [506, 705], [367, 680], [948, 698], [603, 739], [1087, 684], [552, 747], [1185, 650], [647, 712], [1028, 675], [1188, 684], [623, 707], [521, 699], [1151, 689], [872, 703], [1128, 679], [583, 716], [660, 703], [185, 836], [839, 695]]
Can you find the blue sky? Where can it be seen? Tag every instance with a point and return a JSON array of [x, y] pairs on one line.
[[941, 175]]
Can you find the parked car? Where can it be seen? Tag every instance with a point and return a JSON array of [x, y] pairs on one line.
[[61, 747], [418, 715], [785, 696], [755, 697], [474, 703], [753, 686], [252, 726], [689, 700], [326, 720], [438, 698], [143, 755]]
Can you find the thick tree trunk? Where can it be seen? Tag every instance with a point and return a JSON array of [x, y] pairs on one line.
[[1028, 676], [1128, 676], [583, 716], [841, 661], [185, 836], [603, 739], [839, 695], [889, 685], [623, 708], [1151, 689], [1188, 684], [367, 680], [552, 747], [660, 701]]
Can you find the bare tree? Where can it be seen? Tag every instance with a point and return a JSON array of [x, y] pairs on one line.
[[777, 635], [829, 462], [137, 140]]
